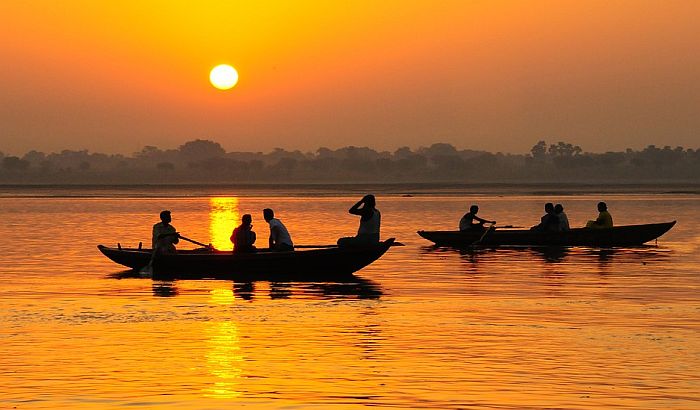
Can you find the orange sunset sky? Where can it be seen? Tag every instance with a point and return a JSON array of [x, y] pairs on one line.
[[113, 76]]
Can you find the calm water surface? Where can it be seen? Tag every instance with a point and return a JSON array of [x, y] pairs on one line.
[[420, 328]]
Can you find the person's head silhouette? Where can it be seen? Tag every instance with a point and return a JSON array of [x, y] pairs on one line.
[[165, 217]]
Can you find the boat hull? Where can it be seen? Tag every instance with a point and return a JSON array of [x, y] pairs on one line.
[[624, 235], [321, 263]]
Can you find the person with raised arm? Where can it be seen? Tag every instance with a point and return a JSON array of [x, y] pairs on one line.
[[370, 223]]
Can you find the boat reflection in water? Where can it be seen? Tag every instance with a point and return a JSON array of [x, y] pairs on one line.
[[352, 287], [357, 288], [164, 289], [551, 254], [554, 254]]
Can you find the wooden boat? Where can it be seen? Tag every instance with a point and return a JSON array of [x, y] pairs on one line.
[[624, 235], [323, 263]]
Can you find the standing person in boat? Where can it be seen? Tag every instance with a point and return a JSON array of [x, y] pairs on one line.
[[164, 236], [280, 240], [549, 221], [467, 222], [370, 223], [243, 237], [563, 219], [604, 218]]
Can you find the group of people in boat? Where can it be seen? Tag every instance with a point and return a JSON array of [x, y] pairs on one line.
[[165, 236], [553, 220], [243, 237]]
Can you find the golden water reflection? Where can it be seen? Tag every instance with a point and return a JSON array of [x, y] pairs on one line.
[[490, 328], [223, 353], [223, 217]]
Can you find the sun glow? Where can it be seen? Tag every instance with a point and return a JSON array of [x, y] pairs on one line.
[[223, 77], [223, 217]]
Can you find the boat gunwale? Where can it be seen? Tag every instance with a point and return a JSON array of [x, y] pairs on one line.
[[586, 237]]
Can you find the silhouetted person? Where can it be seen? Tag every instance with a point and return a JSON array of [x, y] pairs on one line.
[[604, 218], [370, 223], [549, 221], [164, 236], [563, 219], [243, 237], [280, 240], [467, 222]]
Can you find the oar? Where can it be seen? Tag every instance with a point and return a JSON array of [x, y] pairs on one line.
[[334, 246], [148, 269], [489, 229], [195, 242]]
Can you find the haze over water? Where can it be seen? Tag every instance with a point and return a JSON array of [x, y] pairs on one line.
[[421, 328]]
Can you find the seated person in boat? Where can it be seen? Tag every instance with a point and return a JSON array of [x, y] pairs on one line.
[[467, 223], [604, 218], [243, 237], [164, 236], [370, 222], [563, 219], [549, 221], [280, 240]]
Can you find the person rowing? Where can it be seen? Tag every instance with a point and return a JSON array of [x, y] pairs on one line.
[[604, 219], [165, 236], [471, 222], [370, 223]]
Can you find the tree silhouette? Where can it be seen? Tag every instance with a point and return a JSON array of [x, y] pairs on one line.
[[539, 150], [200, 149]]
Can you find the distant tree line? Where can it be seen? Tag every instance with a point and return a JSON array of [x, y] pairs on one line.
[[204, 161]]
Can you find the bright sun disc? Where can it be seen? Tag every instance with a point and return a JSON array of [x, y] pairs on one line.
[[223, 76]]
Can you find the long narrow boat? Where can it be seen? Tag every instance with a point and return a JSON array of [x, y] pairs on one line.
[[624, 235], [331, 262]]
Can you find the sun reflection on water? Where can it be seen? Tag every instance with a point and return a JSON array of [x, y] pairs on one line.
[[223, 217], [223, 354]]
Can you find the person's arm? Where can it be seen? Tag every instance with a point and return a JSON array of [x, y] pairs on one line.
[[355, 209], [483, 221], [600, 220], [233, 236], [166, 234], [367, 213], [273, 236], [253, 237], [154, 237]]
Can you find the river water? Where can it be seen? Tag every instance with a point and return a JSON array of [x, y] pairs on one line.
[[421, 328]]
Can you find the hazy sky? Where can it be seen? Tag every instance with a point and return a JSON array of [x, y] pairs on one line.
[[113, 76]]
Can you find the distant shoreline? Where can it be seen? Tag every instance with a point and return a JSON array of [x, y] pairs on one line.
[[341, 189]]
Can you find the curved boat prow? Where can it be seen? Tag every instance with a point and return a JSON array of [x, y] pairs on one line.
[[131, 258], [661, 228]]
